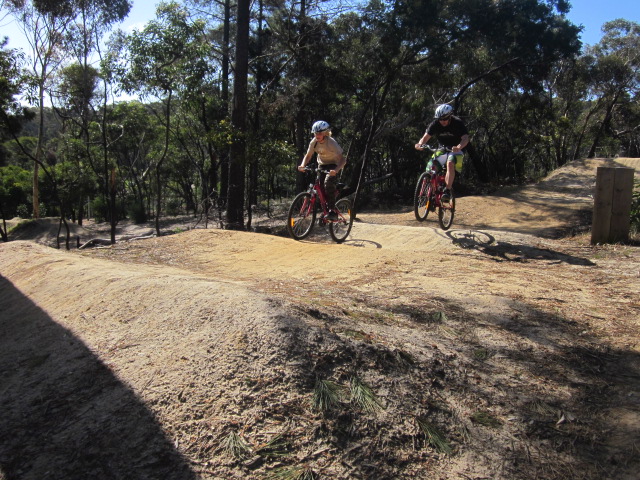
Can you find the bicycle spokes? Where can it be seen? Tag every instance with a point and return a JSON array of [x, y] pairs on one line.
[[302, 216]]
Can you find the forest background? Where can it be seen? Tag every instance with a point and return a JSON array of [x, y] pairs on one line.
[[227, 91]]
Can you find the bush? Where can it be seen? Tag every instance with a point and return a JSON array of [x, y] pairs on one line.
[[23, 211], [137, 213], [100, 209], [173, 206], [635, 209]]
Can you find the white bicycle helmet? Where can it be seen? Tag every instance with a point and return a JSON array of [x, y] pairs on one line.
[[320, 126], [443, 110]]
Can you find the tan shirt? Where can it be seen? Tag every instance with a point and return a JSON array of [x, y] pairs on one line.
[[328, 151]]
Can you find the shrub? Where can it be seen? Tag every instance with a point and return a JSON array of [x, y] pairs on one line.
[[137, 213], [100, 209], [23, 211], [635, 209]]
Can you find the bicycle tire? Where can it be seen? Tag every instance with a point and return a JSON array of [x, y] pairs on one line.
[[340, 230], [446, 212], [302, 216], [421, 198]]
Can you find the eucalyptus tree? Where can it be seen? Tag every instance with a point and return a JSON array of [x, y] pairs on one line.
[[44, 24], [299, 42], [203, 132], [392, 61], [219, 17], [615, 81], [238, 152], [11, 114], [492, 60], [166, 57], [132, 152]]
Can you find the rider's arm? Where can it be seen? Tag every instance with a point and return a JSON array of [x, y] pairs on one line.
[[464, 141], [423, 141], [306, 159]]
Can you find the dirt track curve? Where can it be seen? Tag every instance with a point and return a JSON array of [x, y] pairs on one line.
[[142, 360]]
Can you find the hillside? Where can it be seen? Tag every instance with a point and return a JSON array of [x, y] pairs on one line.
[[503, 348]]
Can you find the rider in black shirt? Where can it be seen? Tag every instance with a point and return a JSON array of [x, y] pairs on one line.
[[451, 132]]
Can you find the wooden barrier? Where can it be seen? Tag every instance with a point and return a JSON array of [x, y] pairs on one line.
[[612, 205]]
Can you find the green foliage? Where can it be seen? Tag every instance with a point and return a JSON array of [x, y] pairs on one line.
[[137, 212], [635, 209], [513, 70], [11, 112], [15, 191], [23, 211], [100, 209]]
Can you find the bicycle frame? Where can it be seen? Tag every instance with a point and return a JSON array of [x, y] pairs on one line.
[[438, 181], [430, 189], [302, 212], [318, 193]]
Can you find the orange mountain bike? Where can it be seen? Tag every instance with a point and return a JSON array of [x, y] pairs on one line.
[[306, 206], [429, 189]]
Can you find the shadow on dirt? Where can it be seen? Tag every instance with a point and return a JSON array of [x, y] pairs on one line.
[[575, 412], [65, 414], [486, 244]]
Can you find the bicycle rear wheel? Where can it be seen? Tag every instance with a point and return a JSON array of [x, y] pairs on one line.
[[446, 212], [302, 216], [421, 198], [340, 230]]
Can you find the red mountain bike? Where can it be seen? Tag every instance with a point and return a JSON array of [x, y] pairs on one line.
[[306, 206], [428, 194]]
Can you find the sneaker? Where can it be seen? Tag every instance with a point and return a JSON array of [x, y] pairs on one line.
[[332, 216], [446, 195]]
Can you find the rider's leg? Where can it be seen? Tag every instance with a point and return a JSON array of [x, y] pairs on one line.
[[451, 173], [330, 188]]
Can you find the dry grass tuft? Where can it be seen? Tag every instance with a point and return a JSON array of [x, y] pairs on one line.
[[327, 395], [363, 396], [434, 436], [235, 446]]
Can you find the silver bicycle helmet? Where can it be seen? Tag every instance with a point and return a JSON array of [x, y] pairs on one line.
[[320, 126], [443, 111]]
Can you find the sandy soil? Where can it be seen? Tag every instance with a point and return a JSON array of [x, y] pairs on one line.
[[503, 348]]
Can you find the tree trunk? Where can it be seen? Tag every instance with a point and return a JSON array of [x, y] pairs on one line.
[[235, 207], [161, 161], [39, 150], [223, 194], [605, 122]]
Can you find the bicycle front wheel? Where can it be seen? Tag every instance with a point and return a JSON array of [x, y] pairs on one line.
[[421, 198], [302, 216], [340, 230], [446, 212]]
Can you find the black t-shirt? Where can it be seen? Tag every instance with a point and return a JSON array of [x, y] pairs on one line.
[[448, 135]]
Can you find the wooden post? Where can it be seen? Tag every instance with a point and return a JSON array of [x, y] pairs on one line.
[[612, 205]]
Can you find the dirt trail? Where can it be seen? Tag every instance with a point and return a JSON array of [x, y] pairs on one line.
[[143, 359]]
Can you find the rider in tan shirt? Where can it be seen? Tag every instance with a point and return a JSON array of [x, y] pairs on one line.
[[330, 160]]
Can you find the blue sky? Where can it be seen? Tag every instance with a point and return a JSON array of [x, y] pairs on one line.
[[591, 14]]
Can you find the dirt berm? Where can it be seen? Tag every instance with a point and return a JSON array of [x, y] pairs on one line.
[[505, 348]]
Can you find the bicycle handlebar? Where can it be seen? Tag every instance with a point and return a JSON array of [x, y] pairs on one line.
[[309, 168], [435, 149]]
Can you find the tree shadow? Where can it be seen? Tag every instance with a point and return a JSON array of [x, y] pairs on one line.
[[571, 395], [65, 414], [487, 244]]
